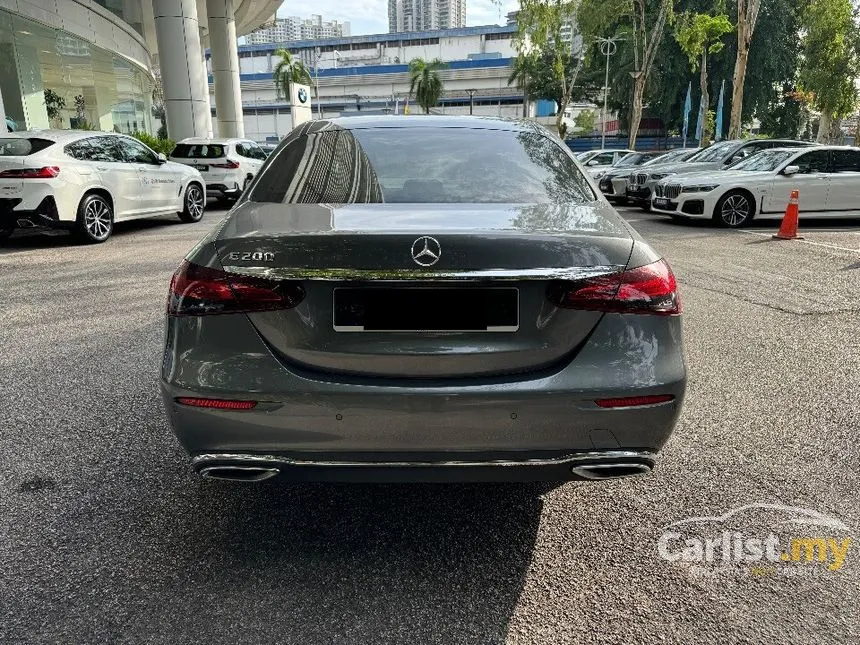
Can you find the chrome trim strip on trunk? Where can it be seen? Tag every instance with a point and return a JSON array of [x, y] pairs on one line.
[[338, 274], [201, 461]]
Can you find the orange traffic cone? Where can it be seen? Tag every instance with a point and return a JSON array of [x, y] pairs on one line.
[[788, 228]]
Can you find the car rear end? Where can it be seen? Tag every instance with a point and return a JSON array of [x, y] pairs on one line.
[[32, 185], [421, 341], [217, 163]]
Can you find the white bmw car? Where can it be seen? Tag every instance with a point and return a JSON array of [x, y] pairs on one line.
[[86, 181], [226, 165], [828, 178]]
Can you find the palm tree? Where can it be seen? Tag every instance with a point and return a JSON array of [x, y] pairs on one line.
[[287, 71], [425, 82]]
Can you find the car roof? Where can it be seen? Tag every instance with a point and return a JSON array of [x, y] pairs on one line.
[[436, 121], [817, 147]]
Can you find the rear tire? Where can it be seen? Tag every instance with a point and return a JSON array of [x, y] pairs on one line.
[[192, 210], [734, 209], [94, 223]]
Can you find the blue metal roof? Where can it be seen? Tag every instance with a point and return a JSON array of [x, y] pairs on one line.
[[364, 70], [380, 38]]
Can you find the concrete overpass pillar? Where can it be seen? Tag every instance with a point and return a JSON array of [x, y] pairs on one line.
[[225, 68], [183, 75]]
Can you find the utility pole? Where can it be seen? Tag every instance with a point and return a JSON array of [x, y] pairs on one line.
[[607, 48], [471, 100]]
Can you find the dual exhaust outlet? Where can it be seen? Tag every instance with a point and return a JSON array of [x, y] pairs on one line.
[[597, 470]]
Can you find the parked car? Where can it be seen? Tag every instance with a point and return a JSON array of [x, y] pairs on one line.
[[716, 157], [86, 181], [227, 165], [828, 178], [596, 160], [639, 194], [613, 180], [476, 311]]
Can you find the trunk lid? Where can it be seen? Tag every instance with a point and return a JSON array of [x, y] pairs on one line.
[[476, 247]]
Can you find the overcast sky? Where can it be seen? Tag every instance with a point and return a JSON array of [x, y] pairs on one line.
[[371, 16]]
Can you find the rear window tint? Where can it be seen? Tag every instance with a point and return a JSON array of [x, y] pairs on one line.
[[15, 147], [197, 151], [326, 164]]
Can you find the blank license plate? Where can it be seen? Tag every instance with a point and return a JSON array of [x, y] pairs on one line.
[[661, 202], [201, 167], [425, 309]]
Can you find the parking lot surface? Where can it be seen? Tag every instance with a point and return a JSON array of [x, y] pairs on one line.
[[109, 538]]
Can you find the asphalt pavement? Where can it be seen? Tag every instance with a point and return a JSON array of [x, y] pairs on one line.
[[107, 537]]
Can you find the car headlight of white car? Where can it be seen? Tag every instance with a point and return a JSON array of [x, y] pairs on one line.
[[704, 188], [660, 176]]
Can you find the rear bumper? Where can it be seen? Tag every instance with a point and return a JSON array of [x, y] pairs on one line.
[[44, 215], [306, 418], [223, 190], [593, 465]]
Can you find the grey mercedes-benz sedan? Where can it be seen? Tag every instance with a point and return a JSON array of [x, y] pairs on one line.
[[422, 298]]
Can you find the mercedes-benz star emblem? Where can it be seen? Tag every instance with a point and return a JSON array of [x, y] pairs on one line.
[[303, 95], [426, 251]]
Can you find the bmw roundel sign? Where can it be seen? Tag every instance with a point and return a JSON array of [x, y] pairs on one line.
[[303, 95]]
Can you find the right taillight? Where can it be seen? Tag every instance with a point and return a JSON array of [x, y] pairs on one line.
[[650, 289], [230, 164], [200, 291]]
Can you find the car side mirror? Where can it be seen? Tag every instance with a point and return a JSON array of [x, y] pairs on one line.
[[162, 158], [788, 171]]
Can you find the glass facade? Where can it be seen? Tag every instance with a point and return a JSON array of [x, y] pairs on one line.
[[52, 79]]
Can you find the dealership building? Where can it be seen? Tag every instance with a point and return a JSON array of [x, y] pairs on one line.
[[91, 63], [370, 74]]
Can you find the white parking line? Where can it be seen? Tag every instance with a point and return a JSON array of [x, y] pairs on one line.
[[829, 246]]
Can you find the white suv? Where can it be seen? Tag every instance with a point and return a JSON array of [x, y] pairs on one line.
[[227, 165], [85, 181]]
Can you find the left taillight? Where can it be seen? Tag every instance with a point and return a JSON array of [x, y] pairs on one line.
[[46, 172], [200, 291], [650, 289]]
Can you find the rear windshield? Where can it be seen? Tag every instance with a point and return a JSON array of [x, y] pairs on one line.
[[16, 147], [421, 165], [197, 151]]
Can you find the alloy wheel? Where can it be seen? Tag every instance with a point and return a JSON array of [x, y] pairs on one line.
[[97, 219], [194, 202], [735, 210]]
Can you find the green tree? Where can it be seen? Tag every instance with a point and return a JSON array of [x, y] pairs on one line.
[[643, 23], [831, 62], [425, 82], [748, 11], [289, 70], [541, 48], [700, 35], [585, 122]]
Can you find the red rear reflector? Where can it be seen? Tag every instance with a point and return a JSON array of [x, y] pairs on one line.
[[220, 404], [48, 172], [634, 401], [232, 165], [200, 291], [651, 289]]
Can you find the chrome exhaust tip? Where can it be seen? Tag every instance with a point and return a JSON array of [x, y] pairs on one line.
[[239, 473], [611, 471]]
